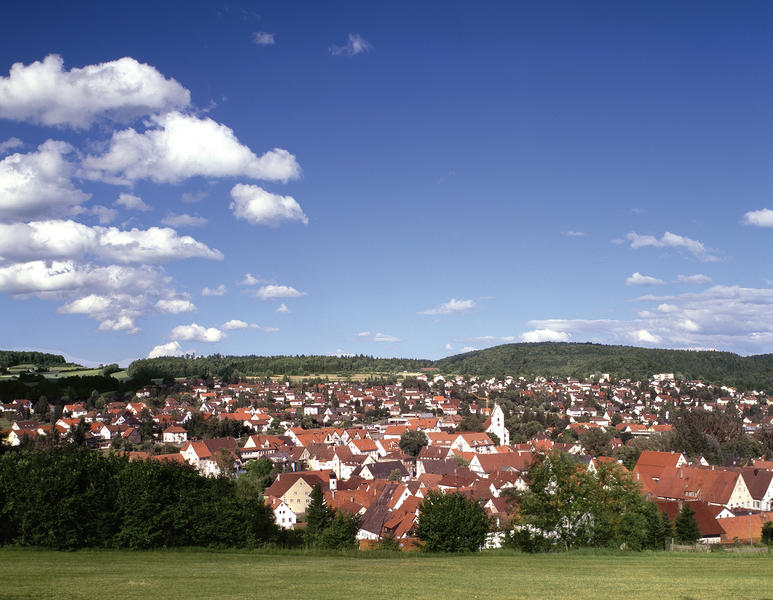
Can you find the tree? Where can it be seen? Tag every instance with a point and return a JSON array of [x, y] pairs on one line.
[[767, 534], [685, 528], [258, 475], [318, 515], [412, 441], [596, 442], [341, 534], [452, 523]]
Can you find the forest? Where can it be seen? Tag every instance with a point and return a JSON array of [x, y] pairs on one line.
[[548, 359]]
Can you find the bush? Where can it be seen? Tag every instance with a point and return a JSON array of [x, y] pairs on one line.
[[452, 523]]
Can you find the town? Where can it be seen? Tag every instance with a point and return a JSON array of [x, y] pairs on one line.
[[377, 448]]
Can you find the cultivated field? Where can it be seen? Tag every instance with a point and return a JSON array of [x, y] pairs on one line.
[[26, 573]]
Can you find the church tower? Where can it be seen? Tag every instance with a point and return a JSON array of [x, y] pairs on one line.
[[497, 426]]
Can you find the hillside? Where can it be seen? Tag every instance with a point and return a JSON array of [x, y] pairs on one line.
[[555, 359], [11, 358]]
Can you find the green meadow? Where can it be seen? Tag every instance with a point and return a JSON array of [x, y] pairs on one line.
[[29, 573]]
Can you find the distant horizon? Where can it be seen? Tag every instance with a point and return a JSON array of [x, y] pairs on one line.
[[125, 364], [399, 179]]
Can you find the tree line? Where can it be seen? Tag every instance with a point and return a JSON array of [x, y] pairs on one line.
[[69, 497], [235, 367], [564, 360]]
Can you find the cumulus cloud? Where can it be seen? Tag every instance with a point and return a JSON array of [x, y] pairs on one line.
[[697, 279], [183, 220], [545, 335], [451, 307], [377, 337], [196, 333], [132, 202], [760, 218], [283, 309], [103, 214], [354, 45], [639, 279], [68, 239], [38, 183], [179, 146], [250, 279], [175, 306], [170, 349], [10, 144], [672, 240], [114, 295], [262, 38], [469, 349], [66, 275], [218, 291], [45, 93], [272, 292], [731, 317], [259, 207]]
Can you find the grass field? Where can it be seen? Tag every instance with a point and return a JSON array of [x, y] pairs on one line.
[[26, 573]]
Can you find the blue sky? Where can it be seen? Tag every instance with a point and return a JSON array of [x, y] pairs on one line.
[[397, 179]]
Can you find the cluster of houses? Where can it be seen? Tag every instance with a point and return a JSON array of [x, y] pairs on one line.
[[350, 445]]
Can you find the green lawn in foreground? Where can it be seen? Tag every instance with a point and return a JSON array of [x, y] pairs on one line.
[[26, 573]]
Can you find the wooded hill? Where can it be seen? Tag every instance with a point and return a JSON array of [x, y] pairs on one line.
[[549, 359], [11, 358], [560, 359]]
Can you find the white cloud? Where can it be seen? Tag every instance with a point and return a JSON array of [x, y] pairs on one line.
[[132, 202], [175, 306], [448, 347], [249, 279], [697, 279], [469, 349], [10, 144], [642, 335], [66, 275], [104, 214], [545, 335], [760, 218], [218, 291], [340, 353], [239, 324], [355, 44], [69, 239], [262, 38], [377, 337], [183, 220], [196, 333], [283, 309], [271, 292], [639, 279], [38, 183], [730, 317], [170, 349], [572, 233], [453, 306], [44, 93], [259, 207], [180, 146], [672, 240]]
